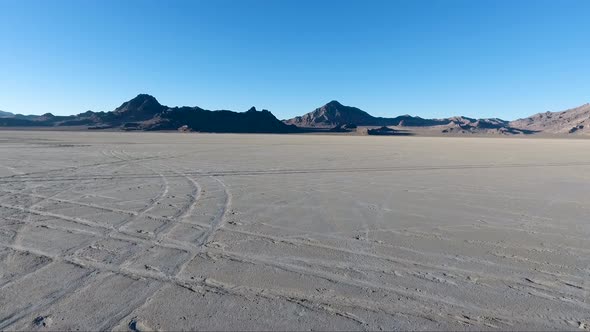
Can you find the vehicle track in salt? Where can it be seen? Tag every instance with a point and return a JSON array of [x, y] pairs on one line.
[[106, 231], [31, 210], [417, 168], [321, 303], [283, 240], [184, 216], [207, 207], [217, 225]]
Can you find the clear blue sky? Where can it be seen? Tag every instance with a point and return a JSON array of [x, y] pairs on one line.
[[479, 58]]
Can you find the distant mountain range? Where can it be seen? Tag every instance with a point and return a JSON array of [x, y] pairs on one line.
[[575, 120], [5, 114], [18, 116], [144, 112], [333, 114], [336, 115]]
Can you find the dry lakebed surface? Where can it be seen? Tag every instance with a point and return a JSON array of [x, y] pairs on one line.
[[168, 231]]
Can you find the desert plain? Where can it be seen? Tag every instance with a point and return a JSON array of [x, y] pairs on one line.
[[169, 231]]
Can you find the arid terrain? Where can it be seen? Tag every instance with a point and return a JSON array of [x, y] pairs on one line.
[[145, 113], [169, 231]]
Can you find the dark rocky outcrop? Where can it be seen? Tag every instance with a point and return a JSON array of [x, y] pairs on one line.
[[381, 131], [344, 128]]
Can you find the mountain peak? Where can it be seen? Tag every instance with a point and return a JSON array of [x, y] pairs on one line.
[[141, 107], [332, 114], [143, 98], [333, 103]]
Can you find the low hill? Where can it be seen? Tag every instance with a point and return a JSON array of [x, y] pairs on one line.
[[6, 114], [575, 120]]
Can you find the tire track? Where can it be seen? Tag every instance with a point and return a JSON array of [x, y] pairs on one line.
[[24, 224], [181, 217], [324, 303], [47, 301], [75, 168], [409, 264], [219, 221], [184, 214], [153, 201], [338, 170], [109, 209]]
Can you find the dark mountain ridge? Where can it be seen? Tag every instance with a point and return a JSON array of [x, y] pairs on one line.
[[223, 121], [6, 114], [335, 114], [144, 112]]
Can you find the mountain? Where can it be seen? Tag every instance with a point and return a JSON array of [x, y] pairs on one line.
[[143, 107], [197, 119], [140, 108], [6, 114], [335, 115], [575, 120], [144, 112], [465, 125], [338, 118]]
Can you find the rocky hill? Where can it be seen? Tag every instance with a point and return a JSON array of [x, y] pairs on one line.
[[465, 125], [144, 112], [6, 114], [140, 108], [197, 119], [575, 120], [335, 115]]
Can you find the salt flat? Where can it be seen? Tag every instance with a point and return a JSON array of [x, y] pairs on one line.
[[142, 231]]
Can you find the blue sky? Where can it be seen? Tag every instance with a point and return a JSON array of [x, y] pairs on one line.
[[481, 58]]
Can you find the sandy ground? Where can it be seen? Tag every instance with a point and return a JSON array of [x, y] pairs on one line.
[[141, 231]]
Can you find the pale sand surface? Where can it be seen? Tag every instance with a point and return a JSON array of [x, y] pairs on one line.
[[141, 231]]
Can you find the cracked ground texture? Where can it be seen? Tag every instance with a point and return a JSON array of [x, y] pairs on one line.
[[167, 231]]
